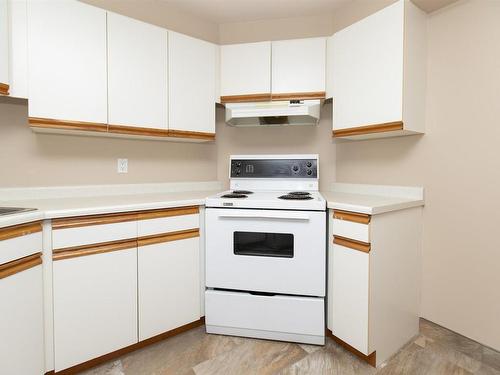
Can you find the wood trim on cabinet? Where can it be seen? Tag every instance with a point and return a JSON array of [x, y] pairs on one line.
[[4, 88], [48, 123], [352, 244], [299, 95], [371, 359], [352, 216], [245, 98], [369, 129], [137, 130], [83, 221], [168, 212], [191, 135], [19, 265], [84, 250], [167, 237], [20, 230], [128, 349]]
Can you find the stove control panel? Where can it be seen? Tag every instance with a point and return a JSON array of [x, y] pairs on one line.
[[274, 168]]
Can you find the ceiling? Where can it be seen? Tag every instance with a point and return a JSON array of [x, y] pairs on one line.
[[229, 11]]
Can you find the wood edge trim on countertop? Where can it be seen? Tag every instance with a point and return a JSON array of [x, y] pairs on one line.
[[128, 349], [100, 248], [19, 265], [20, 230], [84, 221], [352, 216], [299, 95], [352, 244], [48, 123], [168, 237], [191, 134], [168, 212], [245, 98], [371, 359], [137, 130], [369, 129], [4, 88]]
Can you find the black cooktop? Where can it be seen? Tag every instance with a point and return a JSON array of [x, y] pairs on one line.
[[295, 197], [234, 195]]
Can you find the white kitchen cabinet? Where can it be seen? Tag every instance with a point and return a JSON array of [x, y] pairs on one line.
[[169, 286], [137, 73], [378, 74], [67, 62], [18, 48], [95, 303], [192, 86], [4, 48], [245, 71], [299, 68], [21, 323]]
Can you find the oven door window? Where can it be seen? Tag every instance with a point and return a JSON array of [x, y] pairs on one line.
[[278, 245]]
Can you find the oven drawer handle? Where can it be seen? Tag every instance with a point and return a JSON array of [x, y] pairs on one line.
[[262, 215]]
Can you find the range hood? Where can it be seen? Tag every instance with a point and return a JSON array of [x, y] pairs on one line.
[[293, 112]]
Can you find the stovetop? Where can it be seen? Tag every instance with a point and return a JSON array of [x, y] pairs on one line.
[[269, 199]]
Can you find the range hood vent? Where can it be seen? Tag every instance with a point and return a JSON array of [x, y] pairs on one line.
[[294, 112]]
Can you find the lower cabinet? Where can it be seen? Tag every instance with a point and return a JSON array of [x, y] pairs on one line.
[[169, 284], [21, 321], [95, 303]]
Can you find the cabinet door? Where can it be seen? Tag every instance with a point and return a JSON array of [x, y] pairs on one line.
[[21, 323], [299, 66], [245, 69], [192, 83], [18, 48], [368, 70], [137, 73], [67, 61], [95, 305], [169, 287], [4, 48], [349, 281]]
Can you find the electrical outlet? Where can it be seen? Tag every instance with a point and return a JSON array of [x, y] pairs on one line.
[[122, 166]]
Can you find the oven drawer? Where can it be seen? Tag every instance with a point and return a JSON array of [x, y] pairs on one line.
[[351, 225], [285, 314]]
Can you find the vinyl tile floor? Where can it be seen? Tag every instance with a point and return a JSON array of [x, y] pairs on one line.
[[435, 350]]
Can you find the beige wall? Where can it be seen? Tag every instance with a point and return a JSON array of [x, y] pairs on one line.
[[29, 159], [278, 140], [458, 162]]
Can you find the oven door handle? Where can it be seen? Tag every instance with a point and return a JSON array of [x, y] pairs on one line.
[[266, 215]]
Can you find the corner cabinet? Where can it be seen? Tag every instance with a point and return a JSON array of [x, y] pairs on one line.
[[67, 65], [4, 48], [379, 74], [137, 76], [192, 86]]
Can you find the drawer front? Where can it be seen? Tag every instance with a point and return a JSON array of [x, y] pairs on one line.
[[149, 227], [292, 315], [93, 234], [17, 245], [351, 225]]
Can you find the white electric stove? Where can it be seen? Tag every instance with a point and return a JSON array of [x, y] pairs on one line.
[[266, 250]]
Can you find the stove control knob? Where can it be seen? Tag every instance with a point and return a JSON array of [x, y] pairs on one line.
[[238, 164], [309, 164], [309, 172], [238, 171], [295, 168]]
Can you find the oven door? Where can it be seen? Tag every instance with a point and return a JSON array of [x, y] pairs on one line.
[[275, 251]]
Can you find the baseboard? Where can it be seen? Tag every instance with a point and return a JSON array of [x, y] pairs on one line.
[[370, 359], [128, 349]]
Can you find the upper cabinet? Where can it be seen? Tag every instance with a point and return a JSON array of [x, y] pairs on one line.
[[4, 49], [192, 85], [298, 69], [245, 72], [67, 64], [137, 75], [378, 74]]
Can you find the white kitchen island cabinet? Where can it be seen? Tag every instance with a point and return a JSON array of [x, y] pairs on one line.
[[21, 293], [378, 75], [299, 69], [67, 65], [192, 85], [137, 74], [374, 284]]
